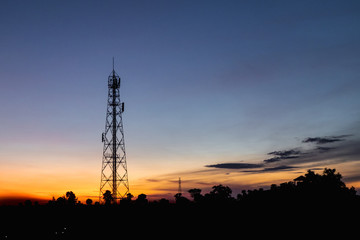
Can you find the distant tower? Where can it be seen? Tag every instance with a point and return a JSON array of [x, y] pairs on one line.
[[114, 175], [179, 189]]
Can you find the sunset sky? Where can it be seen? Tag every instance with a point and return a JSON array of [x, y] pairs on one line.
[[239, 93]]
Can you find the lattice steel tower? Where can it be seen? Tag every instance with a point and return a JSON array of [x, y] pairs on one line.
[[114, 175]]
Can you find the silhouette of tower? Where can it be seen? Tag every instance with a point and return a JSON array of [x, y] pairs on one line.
[[114, 175], [179, 189]]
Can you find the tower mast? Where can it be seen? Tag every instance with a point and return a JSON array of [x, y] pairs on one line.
[[179, 188], [114, 176]]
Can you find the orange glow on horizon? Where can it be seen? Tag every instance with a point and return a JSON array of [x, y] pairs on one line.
[[42, 184]]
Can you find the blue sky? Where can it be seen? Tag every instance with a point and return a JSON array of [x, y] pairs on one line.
[[204, 83]]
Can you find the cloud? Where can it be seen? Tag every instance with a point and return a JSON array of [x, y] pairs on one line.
[[271, 160], [279, 168], [319, 140], [342, 150], [251, 168], [285, 153], [280, 155], [325, 149], [272, 169], [235, 165], [325, 140], [254, 167]]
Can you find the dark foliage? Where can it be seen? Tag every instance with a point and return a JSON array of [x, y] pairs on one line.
[[312, 190], [108, 198], [312, 204], [89, 201]]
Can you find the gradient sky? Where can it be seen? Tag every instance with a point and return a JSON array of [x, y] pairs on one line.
[[212, 89]]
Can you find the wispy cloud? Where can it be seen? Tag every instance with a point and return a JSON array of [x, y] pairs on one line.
[[235, 165], [289, 159], [325, 149], [285, 153], [278, 168], [271, 169], [324, 140], [280, 155]]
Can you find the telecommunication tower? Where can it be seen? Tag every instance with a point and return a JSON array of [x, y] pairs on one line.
[[114, 175], [179, 188]]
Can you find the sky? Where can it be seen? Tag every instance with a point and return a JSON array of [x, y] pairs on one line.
[[239, 93]]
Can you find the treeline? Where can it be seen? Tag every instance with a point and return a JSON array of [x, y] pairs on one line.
[[302, 205], [308, 188]]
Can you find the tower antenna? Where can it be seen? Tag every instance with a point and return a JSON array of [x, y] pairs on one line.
[[179, 189], [114, 175]]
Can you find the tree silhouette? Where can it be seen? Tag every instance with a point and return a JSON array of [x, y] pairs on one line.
[[310, 189], [310, 200], [164, 202], [177, 195], [180, 200], [195, 193], [89, 201], [60, 201], [126, 201], [219, 193], [71, 199], [129, 196], [327, 186], [108, 197], [141, 200], [27, 203]]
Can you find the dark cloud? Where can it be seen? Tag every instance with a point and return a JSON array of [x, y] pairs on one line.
[[285, 153], [325, 140], [342, 150], [271, 160], [280, 155], [249, 167], [276, 159], [319, 140], [235, 165], [272, 169], [279, 168], [325, 149]]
